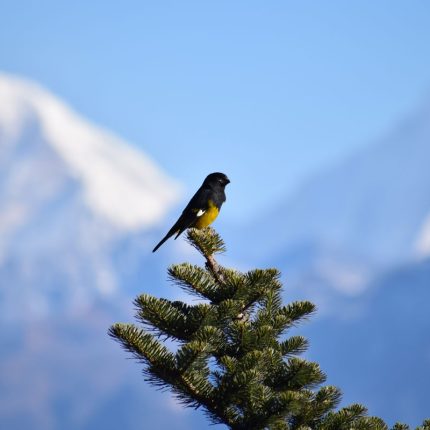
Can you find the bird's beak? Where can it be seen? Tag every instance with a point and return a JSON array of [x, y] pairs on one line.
[[227, 181]]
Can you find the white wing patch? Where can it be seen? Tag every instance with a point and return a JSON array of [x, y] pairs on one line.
[[200, 212]]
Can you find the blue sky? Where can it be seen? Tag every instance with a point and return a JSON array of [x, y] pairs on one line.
[[268, 92]]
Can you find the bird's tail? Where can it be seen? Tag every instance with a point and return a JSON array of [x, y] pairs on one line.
[[168, 235]]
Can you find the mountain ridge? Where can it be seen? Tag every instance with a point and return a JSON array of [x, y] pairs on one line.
[[364, 214], [71, 196], [68, 270], [113, 174]]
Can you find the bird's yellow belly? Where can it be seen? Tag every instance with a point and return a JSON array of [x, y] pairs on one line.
[[208, 217]]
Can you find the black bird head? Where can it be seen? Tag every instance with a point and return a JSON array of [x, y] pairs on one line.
[[216, 179]]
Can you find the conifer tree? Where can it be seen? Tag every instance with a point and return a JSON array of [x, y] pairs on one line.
[[234, 357]]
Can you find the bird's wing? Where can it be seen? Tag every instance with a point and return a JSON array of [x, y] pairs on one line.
[[193, 211]]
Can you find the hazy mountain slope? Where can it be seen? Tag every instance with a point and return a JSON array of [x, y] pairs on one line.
[[366, 213], [376, 202], [44, 137], [78, 220], [79, 209], [66, 373], [352, 240], [379, 351], [71, 194]]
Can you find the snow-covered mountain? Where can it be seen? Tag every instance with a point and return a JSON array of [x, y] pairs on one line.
[[367, 213], [355, 239], [42, 138], [79, 213], [79, 209], [73, 199]]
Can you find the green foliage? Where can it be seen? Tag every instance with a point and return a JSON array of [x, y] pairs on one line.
[[234, 357], [425, 425]]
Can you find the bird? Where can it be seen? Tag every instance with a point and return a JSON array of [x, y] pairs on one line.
[[203, 207]]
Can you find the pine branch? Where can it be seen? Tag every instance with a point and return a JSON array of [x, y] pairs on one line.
[[293, 346], [344, 419], [231, 359], [173, 319], [424, 426], [142, 345], [199, 282], [208, 243], [297, 373]]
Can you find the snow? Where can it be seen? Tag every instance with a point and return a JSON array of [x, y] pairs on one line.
[[372, 204], [423, 240], [119, 183], [347, 279], [78, 206]]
